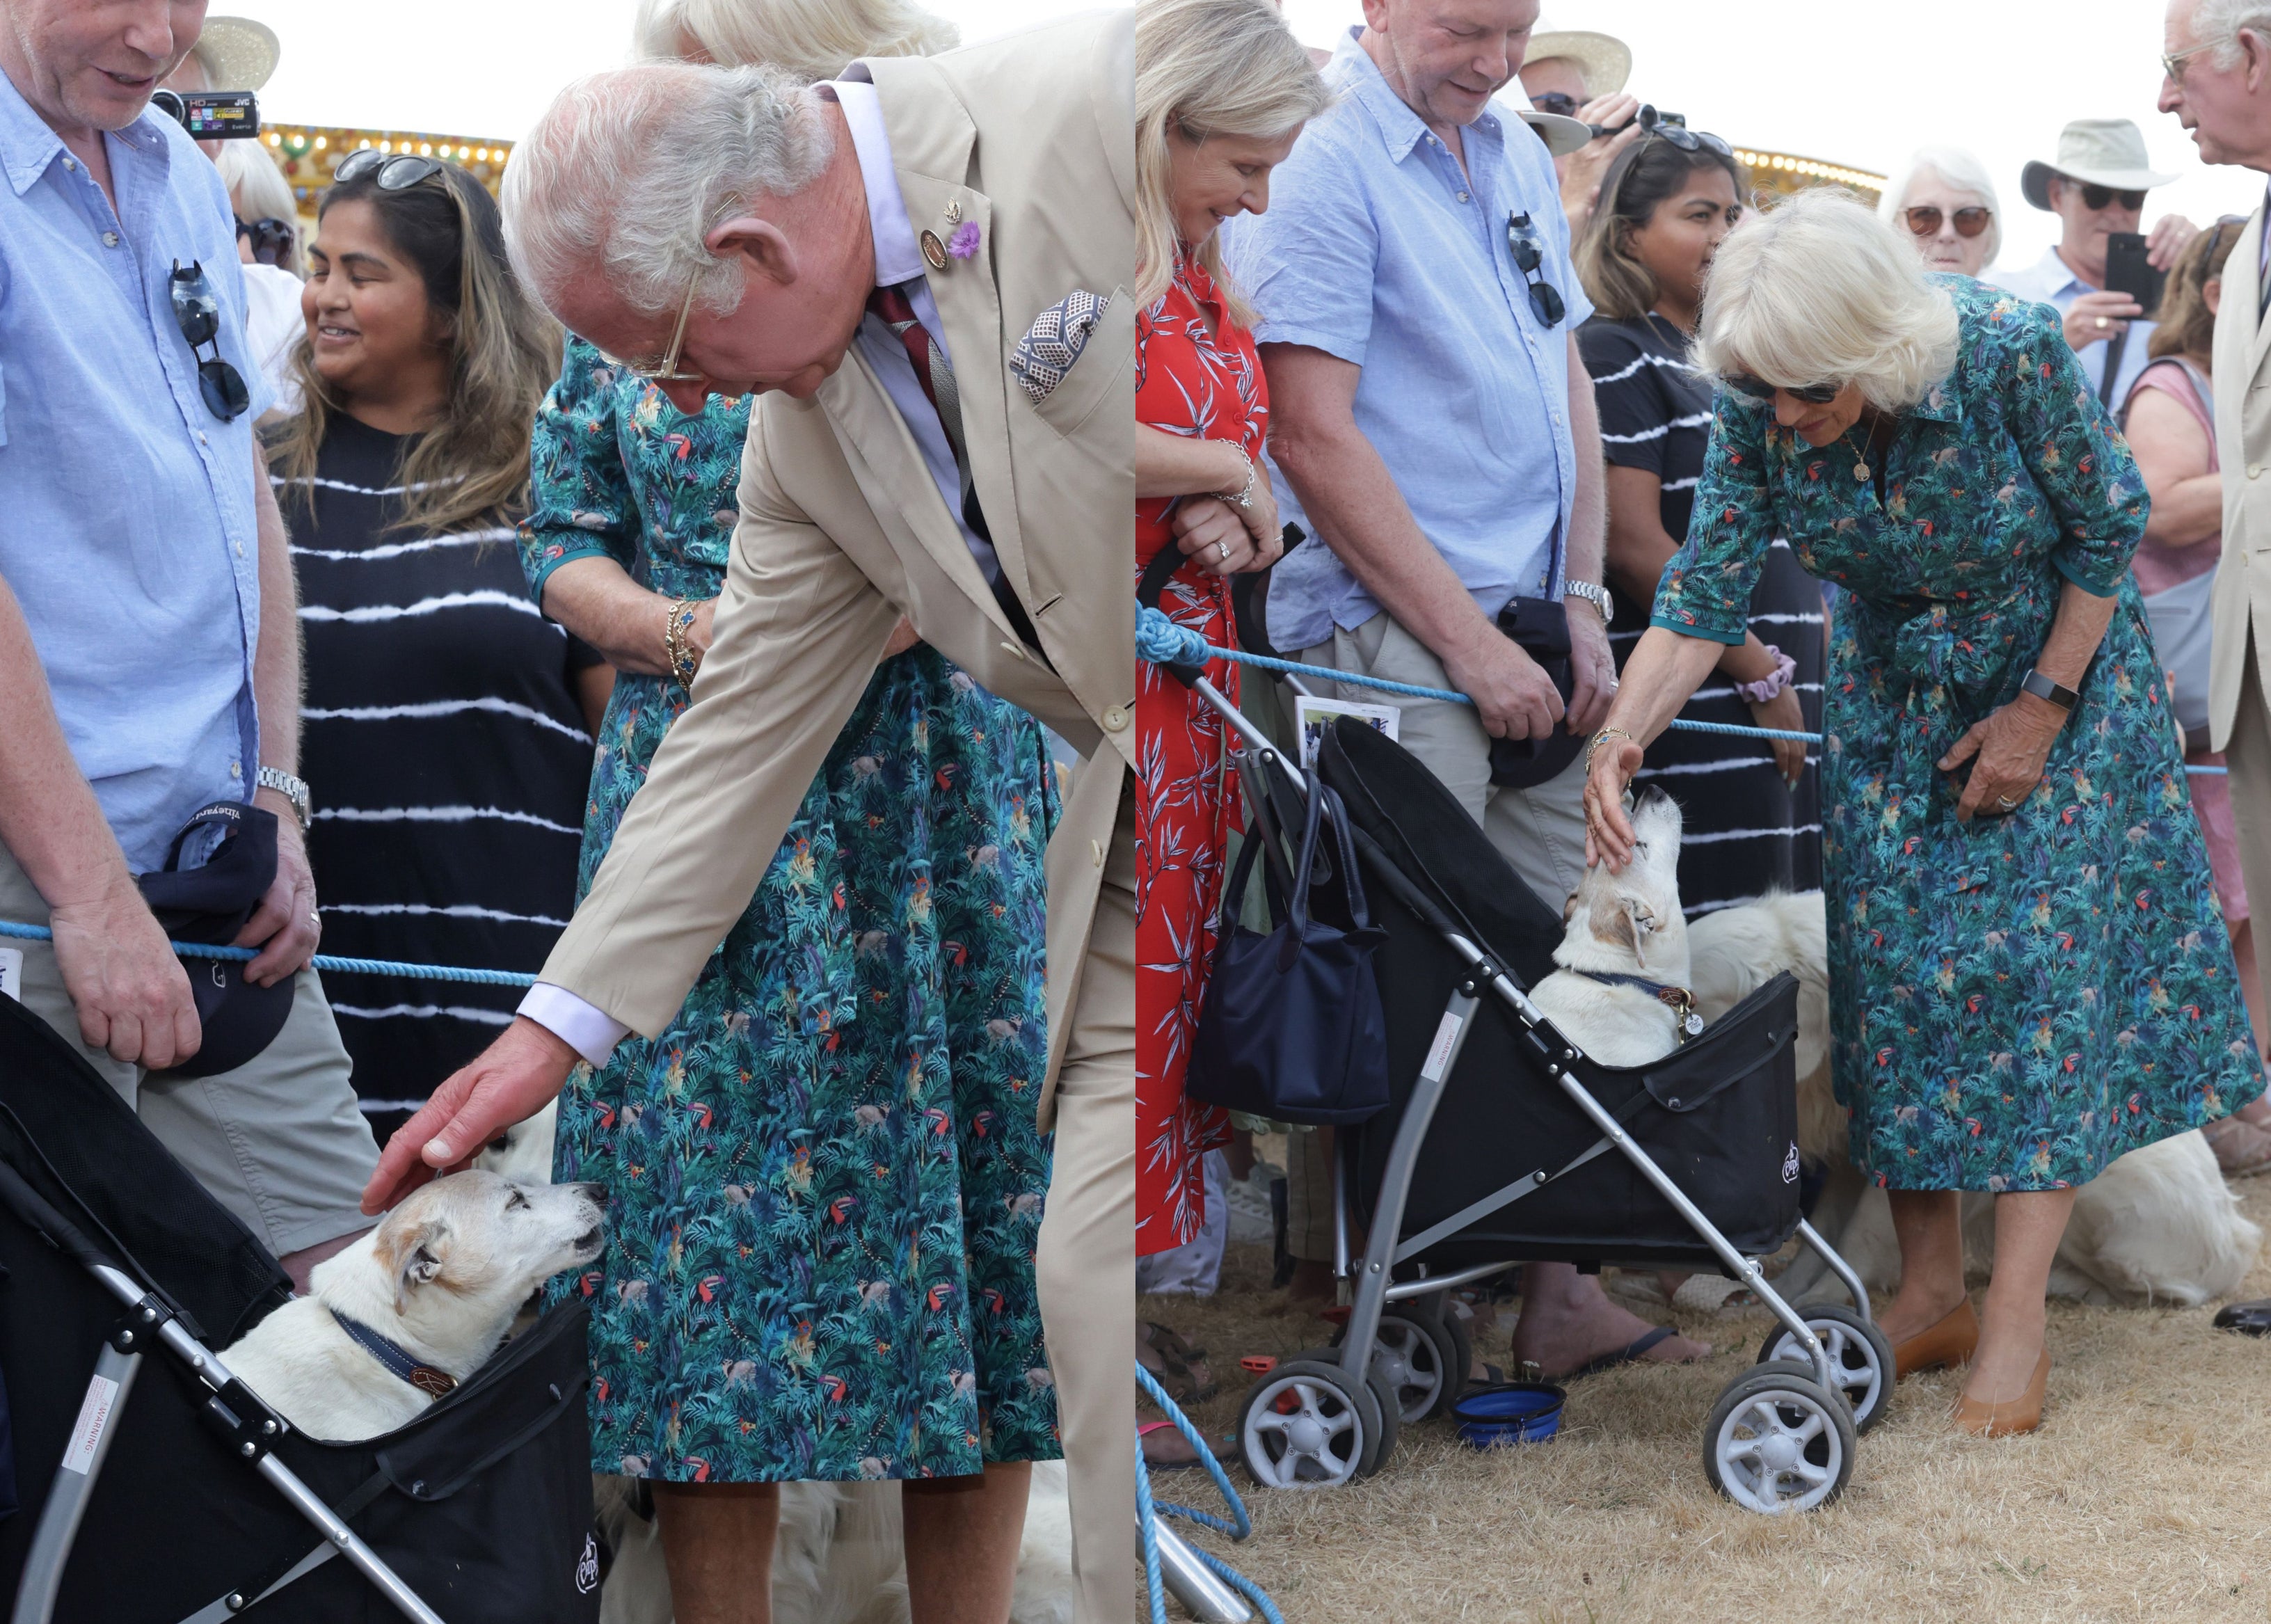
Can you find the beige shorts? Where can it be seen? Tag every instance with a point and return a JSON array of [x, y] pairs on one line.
[[1540, 831], [280, 1141]]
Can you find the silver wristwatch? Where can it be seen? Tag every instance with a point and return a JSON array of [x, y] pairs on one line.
[[1598, 596], [292, 789]]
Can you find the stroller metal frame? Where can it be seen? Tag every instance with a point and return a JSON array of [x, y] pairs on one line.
[[1375, 1286]]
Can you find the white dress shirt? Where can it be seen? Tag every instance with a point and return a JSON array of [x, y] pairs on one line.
[[590, 1030], [2049, 280]]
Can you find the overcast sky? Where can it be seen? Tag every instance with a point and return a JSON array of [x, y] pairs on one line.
[[1859, 82]]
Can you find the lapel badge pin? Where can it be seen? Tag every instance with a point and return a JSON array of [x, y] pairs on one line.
[[934, 251], [954, 211]]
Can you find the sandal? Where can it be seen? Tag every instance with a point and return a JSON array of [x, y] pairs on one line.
[[1632, 1352], [1182, 1369]]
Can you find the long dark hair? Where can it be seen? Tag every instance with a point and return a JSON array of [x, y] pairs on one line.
[[1620, 287], [471, 467]]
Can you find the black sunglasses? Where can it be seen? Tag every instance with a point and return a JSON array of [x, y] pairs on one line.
[[2098, 197], [271, 239], [397, 171], [1528, 251], [1558, 102], [1673, 128], [197, 313], [1759, 389]]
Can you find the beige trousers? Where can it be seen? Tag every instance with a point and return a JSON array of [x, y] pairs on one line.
[[1085, 1267], [2249, 758]]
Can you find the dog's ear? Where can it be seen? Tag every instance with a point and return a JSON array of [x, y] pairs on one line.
[[419, 1257], [1569, 907]]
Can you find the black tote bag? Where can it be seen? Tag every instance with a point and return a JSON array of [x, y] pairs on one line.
[[1292, 1028]]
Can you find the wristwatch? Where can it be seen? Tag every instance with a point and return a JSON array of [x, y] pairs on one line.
[[1598, 596], [2042, 687], [292, 789]]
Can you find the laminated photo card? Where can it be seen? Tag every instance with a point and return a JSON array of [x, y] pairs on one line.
[[1310, 715]]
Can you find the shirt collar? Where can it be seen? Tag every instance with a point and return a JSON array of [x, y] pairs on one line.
[[2059, 277], [28, 143], [1400, 128], [897, 259]]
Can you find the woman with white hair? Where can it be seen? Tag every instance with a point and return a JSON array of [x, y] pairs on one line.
[[2027, 973], [825, 1180], [1944, 203]]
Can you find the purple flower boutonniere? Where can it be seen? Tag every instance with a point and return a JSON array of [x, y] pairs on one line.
[[963, 243]]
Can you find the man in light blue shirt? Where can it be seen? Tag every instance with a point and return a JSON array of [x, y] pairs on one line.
[[1432, 426], [148, 640]]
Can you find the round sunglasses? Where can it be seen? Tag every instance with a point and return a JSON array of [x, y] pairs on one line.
[[1924, 221]]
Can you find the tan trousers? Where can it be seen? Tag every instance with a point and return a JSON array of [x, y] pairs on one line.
[[1085, 1267], [2249, 757]]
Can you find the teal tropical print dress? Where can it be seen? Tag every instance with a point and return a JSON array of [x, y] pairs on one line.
[[2015, 1002], [824, 1180]]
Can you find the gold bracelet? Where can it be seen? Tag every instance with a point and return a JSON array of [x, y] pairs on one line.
[[1602, 738], [677, 653]]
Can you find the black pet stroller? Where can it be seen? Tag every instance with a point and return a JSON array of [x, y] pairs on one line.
[[1504, 1142], [141, 1489]]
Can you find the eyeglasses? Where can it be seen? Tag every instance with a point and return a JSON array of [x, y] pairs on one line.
[[2098, 197], [1558, 102], [271, 239], [397, 171], [2172, 63], [1924, 221], [1528, 251], [667, 369], [197, 313], [1759, 389]]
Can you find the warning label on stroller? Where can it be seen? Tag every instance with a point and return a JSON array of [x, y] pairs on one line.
[[86, 1432]]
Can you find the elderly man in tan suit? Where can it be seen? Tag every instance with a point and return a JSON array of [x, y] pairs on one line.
[[2217, 80], [923, 266]]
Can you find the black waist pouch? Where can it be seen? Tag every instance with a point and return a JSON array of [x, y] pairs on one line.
[[210, 903], [1540, 628]]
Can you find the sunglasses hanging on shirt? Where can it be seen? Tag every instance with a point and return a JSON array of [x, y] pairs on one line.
[[197, 313], [1528, 251]]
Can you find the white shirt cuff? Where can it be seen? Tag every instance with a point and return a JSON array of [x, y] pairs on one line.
[[590, 1030]]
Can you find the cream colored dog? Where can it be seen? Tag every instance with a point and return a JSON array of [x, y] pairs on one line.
[[2157, 1225], [430, 1293], [1622, 929]]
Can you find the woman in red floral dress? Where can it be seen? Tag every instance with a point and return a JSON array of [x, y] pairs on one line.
[[1207, 73]]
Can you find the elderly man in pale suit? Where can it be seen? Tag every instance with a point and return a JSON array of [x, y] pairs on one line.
[[2217, 80], [922, 266]]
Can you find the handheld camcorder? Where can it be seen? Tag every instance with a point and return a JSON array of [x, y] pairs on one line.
[[211, 116]]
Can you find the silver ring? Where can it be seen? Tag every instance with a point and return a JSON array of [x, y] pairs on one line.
[[315, 918], [1222, 549]]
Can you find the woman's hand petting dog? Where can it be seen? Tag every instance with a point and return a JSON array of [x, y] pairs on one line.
[[1608, 832], [2007, 752], [506, 1083]]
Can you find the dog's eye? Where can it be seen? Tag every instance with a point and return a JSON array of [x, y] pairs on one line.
[[500, 1143]]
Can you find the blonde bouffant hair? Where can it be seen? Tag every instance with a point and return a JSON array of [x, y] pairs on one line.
[[1208, 68], [1819, 290], [811, 39]]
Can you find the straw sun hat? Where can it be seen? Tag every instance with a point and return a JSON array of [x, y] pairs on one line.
[[238, 53], [1605, 61]]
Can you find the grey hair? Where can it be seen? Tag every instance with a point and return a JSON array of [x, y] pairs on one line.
[[812, 39], [1819, 290], [627, 171], [2223, 19], [1960, 170]]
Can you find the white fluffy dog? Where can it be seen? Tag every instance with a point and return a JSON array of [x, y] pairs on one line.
[[415, 1305], [838, 1557], [1626, 944], [2157, 1225]]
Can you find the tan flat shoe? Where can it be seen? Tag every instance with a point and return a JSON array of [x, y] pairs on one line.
[[1950, 1341], [2022, 1414]]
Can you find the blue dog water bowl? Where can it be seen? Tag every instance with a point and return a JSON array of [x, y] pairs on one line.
[[1509, 1413]]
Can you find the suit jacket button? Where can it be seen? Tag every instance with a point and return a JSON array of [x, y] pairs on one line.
[[1115, 719]]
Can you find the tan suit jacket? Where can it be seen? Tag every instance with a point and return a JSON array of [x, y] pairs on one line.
[[842, 528], [2241, 368]]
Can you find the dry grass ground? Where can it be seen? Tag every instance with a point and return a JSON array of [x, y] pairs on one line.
[[2145, 1497]]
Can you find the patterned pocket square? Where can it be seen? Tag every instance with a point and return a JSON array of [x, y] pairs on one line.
[[1055, 339]]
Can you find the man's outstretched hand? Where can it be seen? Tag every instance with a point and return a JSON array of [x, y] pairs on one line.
[[506, 1083]]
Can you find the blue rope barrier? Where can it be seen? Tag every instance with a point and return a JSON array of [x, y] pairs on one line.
[[1239, 1526], [1164, 642], [322, 961]]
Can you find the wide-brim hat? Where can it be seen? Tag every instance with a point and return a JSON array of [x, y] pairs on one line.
[[1563, 135], [1605, 60], [240, 54], [2098, 152]]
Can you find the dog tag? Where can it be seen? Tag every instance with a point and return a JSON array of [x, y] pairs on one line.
[[1693, 1026], [12, 972]]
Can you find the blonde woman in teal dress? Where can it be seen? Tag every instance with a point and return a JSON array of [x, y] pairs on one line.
[[824, 1180], [2028, 974]]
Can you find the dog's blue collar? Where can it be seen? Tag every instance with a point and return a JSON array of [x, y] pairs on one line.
[[396, 1358], [1682, 1001]]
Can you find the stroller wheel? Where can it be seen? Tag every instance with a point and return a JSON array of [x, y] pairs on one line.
[[1306, 1426], [1415, 1362], [1776, 1443], [1858, 1353]]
